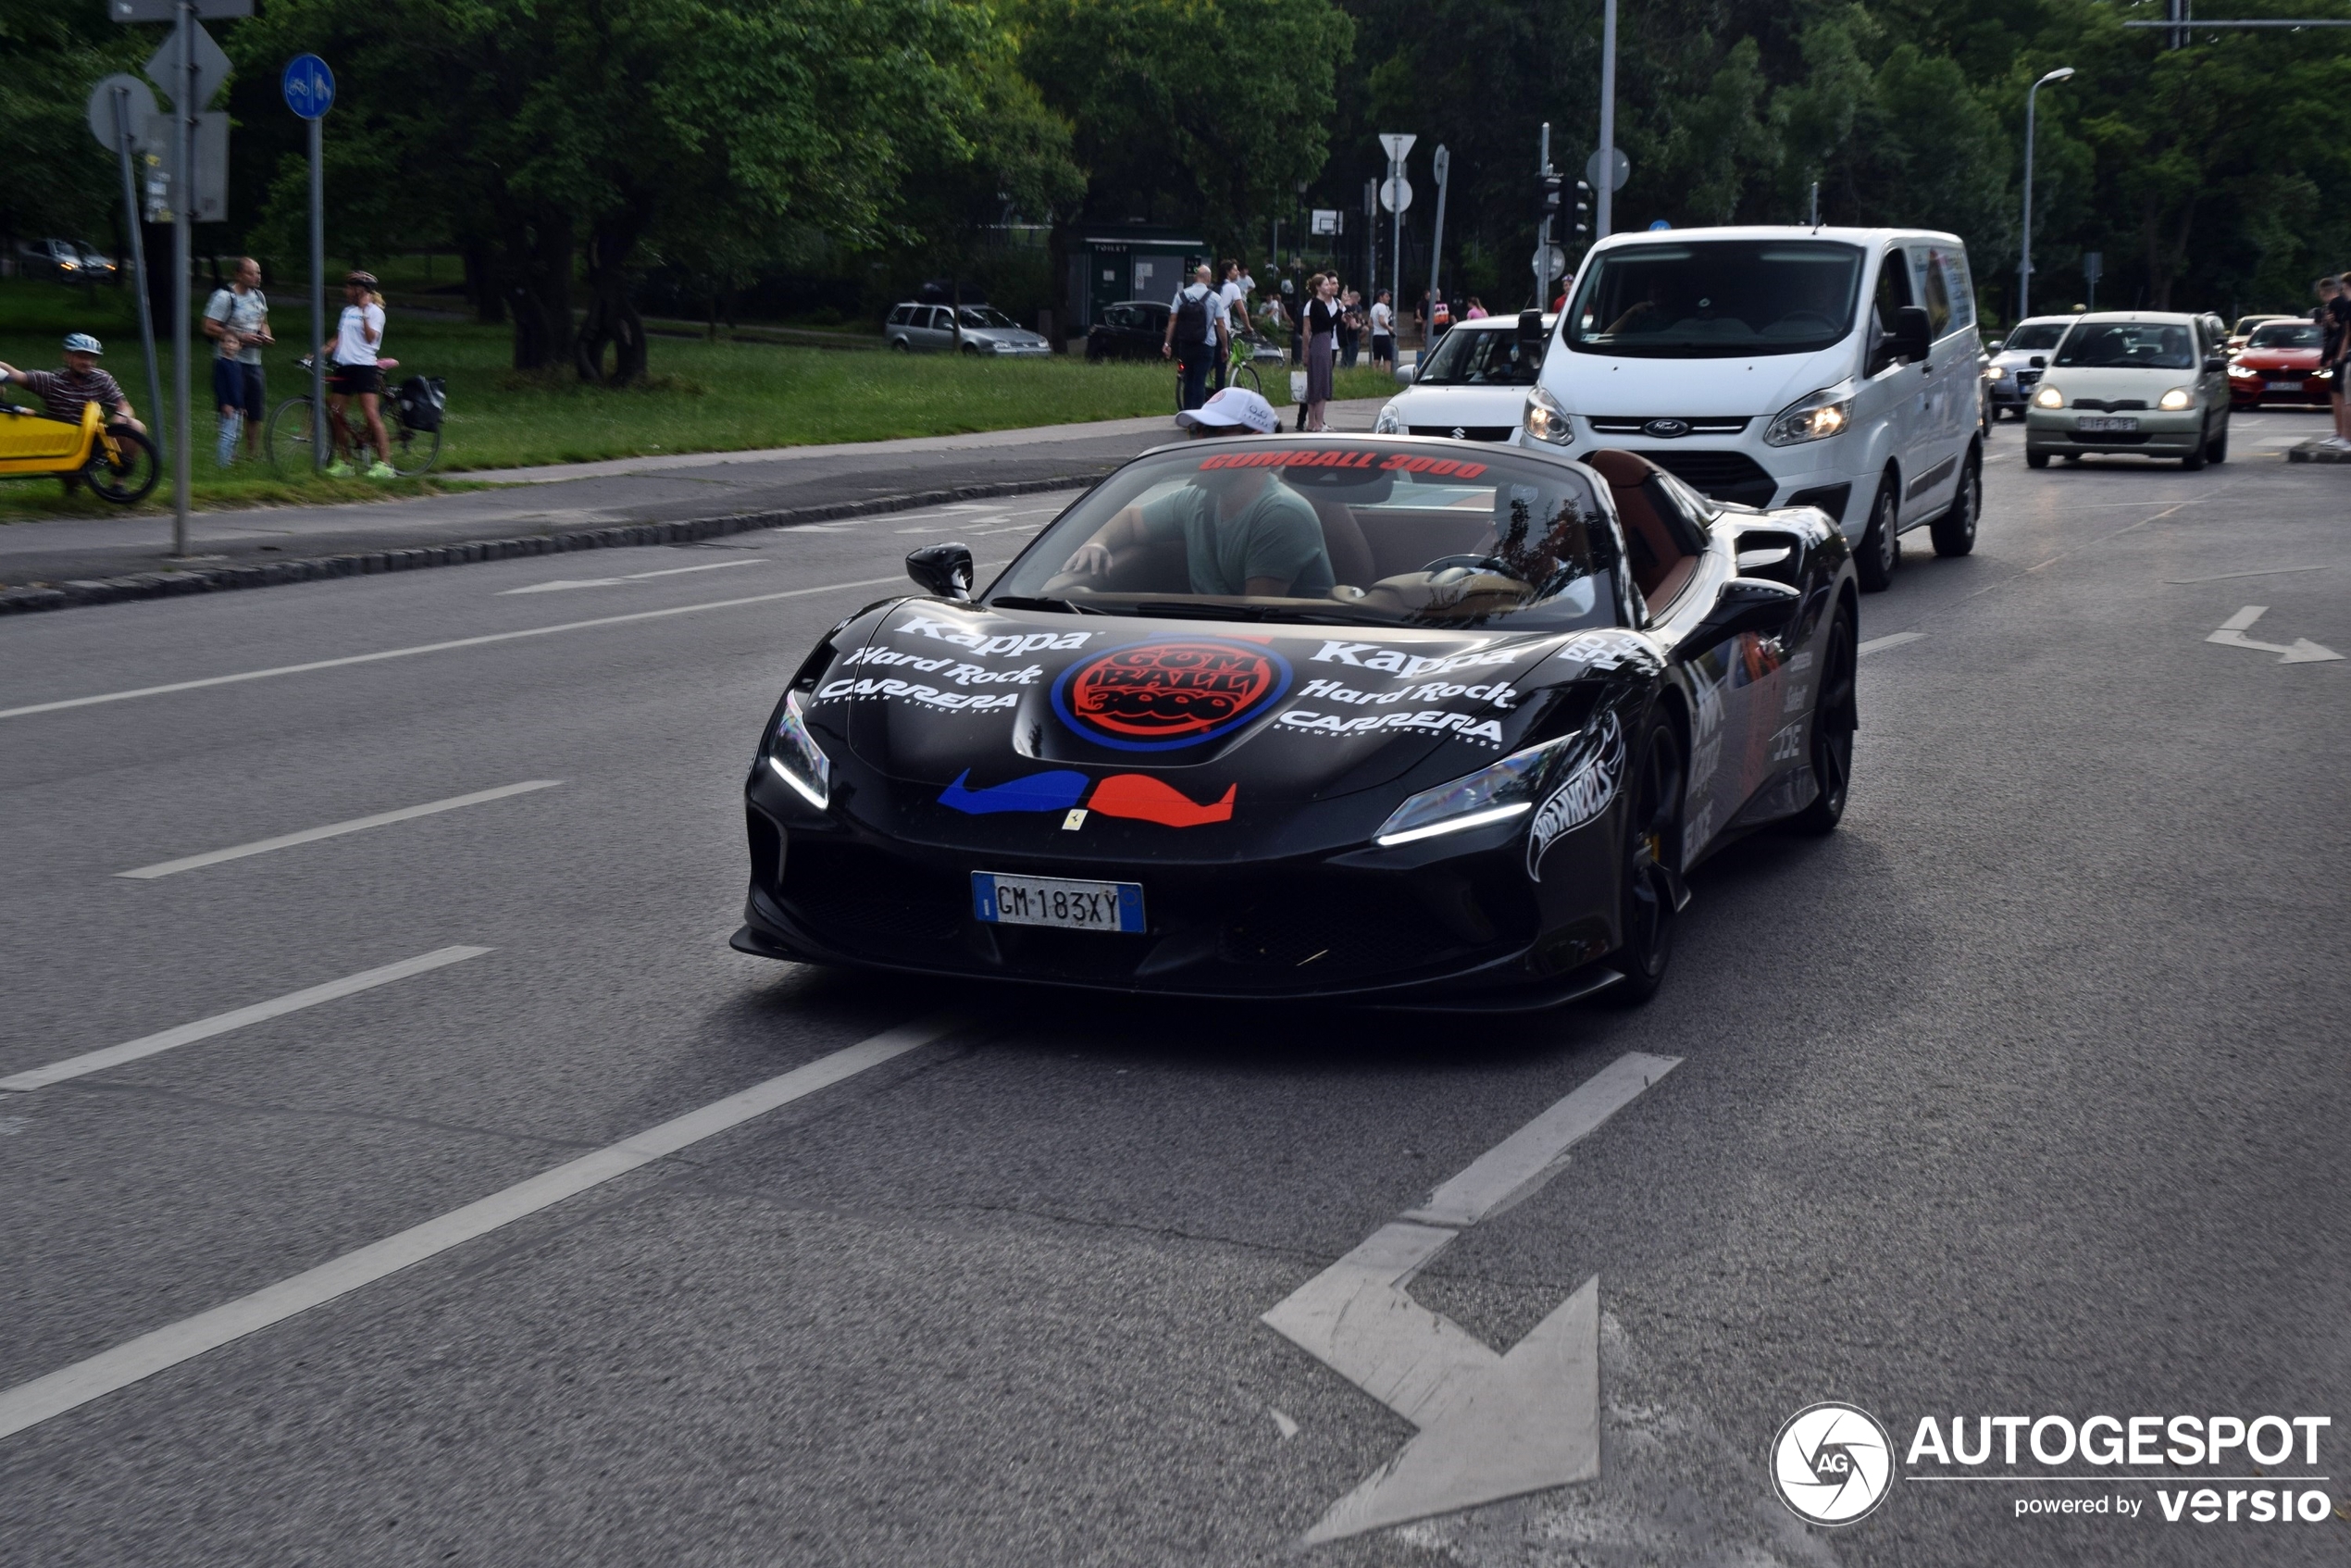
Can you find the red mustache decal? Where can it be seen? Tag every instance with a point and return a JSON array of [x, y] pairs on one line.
[[1146, 798]]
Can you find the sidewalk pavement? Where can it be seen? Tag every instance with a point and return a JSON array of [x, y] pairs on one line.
[[574, 505]]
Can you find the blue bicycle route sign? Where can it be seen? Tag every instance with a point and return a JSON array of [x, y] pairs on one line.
[[310, 86]]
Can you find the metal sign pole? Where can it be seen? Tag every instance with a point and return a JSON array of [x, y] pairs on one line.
[[1605, 216], [123, 144], [317, 297], [183, 212], [1396, 247], [1437, 245]]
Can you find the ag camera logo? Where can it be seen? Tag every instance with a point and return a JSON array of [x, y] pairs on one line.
[[1833, 1463]]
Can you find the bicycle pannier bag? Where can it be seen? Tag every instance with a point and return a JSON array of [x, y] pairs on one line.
[[421, 400]]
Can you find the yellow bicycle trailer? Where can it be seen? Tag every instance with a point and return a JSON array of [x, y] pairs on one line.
[[114, 460]]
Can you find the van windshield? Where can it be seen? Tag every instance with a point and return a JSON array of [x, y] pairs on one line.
[[1716, 299]]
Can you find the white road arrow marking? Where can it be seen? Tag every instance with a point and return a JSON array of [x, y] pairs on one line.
[[2302, 651], [1491, 1426]]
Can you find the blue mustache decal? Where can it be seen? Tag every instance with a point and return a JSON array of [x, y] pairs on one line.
[[1057, 791]]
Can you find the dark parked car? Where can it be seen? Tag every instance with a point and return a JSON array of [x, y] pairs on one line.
[[1129, 330]]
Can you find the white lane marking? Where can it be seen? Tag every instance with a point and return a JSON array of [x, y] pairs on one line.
[[484, 641], [336, 829], [2266, 571], [29, 1404], [1879, 644], [1283, 1424], [2301, 650], [221, 1022], [1490, 1427], [560, 584]]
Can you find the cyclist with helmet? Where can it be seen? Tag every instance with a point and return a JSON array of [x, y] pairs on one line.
[[352, 355], [65, 393]]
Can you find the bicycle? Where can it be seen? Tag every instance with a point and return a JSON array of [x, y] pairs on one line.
[[415, 443], [118, 463]]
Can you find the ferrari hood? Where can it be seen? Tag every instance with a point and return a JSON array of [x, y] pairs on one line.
[[1011, 711]]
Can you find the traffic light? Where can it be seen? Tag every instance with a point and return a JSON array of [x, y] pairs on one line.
[[1583, 206], [1550, 186]]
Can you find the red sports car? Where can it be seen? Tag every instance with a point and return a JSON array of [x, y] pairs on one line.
[[2279, 365]]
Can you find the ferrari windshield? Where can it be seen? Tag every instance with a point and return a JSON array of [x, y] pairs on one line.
[[1716, 299], [1351, 530], [1482, 356]]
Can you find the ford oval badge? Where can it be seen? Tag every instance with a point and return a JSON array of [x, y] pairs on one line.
[[1666, 429]]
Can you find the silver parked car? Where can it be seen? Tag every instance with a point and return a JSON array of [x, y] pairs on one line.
[[930, 329]]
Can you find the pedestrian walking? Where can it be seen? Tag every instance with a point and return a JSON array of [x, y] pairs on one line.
[[1477, 311], [1195, 335], [1350, 327], [1383, 330], [1321, 344], [2334, 342], [353, 353], [237, 321]]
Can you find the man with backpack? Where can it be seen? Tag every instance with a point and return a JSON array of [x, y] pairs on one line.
[[1196, 334]]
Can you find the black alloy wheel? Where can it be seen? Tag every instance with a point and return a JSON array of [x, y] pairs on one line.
[[1836, 715], [1654, 791], [1880, 548], [1954, 531]]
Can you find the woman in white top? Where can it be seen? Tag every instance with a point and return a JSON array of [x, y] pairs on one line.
[[353, 353]]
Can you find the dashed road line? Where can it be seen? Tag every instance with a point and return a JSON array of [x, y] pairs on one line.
[[29, 1404], [336, 829], [222, 1023], [1879, 644]]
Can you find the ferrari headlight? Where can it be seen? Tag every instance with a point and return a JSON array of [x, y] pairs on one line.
[[2049, 397], [1389, 423], [796, 758], [1546, 420], [2177, 399], [1508, 788], [1824, 413]]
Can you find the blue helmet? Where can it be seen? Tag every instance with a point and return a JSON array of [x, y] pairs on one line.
[[81, 342]]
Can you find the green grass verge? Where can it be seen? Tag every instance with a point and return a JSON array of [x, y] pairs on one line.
[[701, 396]]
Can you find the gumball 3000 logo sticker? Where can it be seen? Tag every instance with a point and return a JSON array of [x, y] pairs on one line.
[[1159, 696]]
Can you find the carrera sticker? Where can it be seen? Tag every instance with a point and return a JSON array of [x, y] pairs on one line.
[[1466, 727], [1057, 791], [1394, 462], [1145, 799], [1396, 661], [913, 692], [1582, 796], [946, 669], [1494, 691], [989, 644], [1164, 695]]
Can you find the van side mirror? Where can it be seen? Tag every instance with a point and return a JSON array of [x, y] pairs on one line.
[[1746, 604], [943, 569], [1913, 338], [2040, 362]]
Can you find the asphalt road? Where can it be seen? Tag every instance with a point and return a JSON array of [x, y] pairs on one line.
[[2023, 1093]]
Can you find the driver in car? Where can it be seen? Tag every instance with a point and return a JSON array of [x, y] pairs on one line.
[[1244, 534]]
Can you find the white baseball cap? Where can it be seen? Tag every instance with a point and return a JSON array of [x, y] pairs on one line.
[[1231, 407]]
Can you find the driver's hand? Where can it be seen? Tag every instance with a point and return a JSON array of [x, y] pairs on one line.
[[1090, 560]]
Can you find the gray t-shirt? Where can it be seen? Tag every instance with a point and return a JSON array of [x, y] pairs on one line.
[[241, 314], [1277, 535]]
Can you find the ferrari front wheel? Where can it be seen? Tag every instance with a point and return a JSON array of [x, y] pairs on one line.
[[1652, 881], [1836, 715]]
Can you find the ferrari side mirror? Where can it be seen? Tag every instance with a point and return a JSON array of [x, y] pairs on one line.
[[943, 569], [1746, 604]]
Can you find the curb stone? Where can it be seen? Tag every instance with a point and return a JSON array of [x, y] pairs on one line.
[[2315, 451], [213, 579]]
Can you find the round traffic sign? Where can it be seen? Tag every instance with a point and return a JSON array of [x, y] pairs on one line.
[[140, 108], [1623, 169], [1551, 261], [308, 85], [1396, 194]]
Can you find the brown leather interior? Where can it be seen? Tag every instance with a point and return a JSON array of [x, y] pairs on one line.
[[1343, 541], [1662, 565]]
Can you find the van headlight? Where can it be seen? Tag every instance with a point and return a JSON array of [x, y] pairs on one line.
[[795, 757], [1389, 423], [1546, 420], [1816, 417], [2049, 397], [2176, 399]]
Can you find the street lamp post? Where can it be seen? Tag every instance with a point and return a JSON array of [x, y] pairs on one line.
[[2024, 263]]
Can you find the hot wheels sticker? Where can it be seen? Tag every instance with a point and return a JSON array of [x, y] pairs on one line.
[[1162, 695], [1583, 795]]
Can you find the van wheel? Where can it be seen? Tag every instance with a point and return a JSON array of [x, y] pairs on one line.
[[1881, 549], [1954, 531]]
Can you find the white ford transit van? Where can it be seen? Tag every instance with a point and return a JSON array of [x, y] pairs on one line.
[[1783, 366]]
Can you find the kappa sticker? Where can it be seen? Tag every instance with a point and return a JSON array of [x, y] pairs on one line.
[[1162, 695]]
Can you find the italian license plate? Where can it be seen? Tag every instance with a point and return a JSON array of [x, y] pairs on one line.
[[1003, 900], [2125, 423], [2293, 385]]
